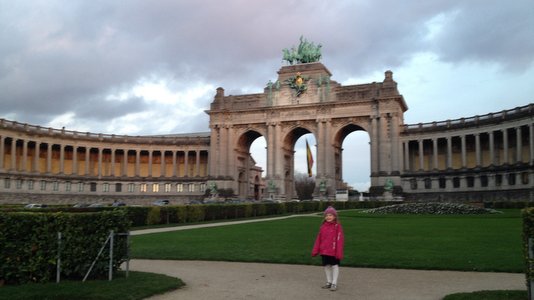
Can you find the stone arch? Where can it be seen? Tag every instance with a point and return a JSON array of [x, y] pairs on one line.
[[288, 155], [247, 179], [337, 143]]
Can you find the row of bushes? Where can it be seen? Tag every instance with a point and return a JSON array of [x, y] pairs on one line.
[[141, 216], [528, 233], [508, 204], [29, 244]]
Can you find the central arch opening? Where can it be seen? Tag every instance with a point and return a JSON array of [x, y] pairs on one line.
[[353, 159], [296, 159]]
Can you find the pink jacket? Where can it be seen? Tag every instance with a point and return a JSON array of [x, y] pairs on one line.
[[330, 240]]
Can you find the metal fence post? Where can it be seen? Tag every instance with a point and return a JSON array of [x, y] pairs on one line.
[[58, 265], [111, 234]]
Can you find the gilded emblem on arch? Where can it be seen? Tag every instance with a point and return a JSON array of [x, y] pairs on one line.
[[298, 83]]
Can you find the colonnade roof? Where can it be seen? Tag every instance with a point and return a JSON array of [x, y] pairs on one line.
[[487, 119]]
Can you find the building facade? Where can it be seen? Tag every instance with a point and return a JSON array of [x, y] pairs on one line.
[[481, 158]]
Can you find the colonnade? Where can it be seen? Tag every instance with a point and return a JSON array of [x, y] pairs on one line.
[[27, 156]]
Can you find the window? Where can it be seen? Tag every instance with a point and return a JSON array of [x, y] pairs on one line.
[[456, 182], [442, 182], [428, 183], [511, 179], [19, 183], [131, 187], [67, 186], [118, 187], [43, 185], [498, 180], [167, 187], [142, 188], [93, 187], [80, 187], [55, 186], [7, 183], [30, 184], [191, 187], [470, 181], [524, 177], [484, 180], [155, 187], [179, 187], [105, 187], [202, 187], [413, 184]]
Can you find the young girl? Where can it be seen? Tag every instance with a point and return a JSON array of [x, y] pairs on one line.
[[329, 244]]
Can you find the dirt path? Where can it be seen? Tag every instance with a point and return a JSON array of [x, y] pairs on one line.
[[228, 280]]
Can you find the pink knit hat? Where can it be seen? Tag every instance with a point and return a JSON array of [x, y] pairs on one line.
[[331, 210]]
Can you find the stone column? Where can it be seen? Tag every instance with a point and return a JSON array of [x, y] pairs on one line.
[[230, 166], [505, 145], [150, 163], [14, 154], [278, 152], [100, 154], [407, 156], [214, 157], [112, 171], [270, 150], [449, 152], [137, 162], [74, 160], [531, 130], [49, 158], [186, 162], [162, 172], [464, 156], [2, 152], [395, 151], [61, 159], [24, 156], [321, 148], [421, 158], [223, 148], [87, 158], [492, 148], [374, 145], [329, 152], [124, 168], [198, 163], [477, 150], [36, 158], [173, 163], [435, 153], [519, 145]]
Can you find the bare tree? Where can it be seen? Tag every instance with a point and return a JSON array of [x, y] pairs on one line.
[[304, 186]]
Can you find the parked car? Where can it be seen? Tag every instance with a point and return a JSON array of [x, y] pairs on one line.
[[96, 205], [80, 205], [193, 202], [118, 203], [161, 202], [35, 205]]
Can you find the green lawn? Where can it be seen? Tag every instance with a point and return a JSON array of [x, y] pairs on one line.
[[138, 285], [471, 243]]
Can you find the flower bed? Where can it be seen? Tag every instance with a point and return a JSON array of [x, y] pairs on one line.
[[432, 208]]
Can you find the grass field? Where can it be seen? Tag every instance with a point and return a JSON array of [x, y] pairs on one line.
[[470, 243], [138, 285]]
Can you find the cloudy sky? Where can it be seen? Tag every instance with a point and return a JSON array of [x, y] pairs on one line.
[[152, 67]]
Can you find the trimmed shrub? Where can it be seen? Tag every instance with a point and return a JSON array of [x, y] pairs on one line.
[[435, 208], [154, 216], [195, 213], [29, 244], [137, 214], [181, 214], [528, 233]]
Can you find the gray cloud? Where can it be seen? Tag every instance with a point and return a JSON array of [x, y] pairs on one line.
[[58, 56]]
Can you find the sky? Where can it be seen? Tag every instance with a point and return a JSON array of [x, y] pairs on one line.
[[152, 67]]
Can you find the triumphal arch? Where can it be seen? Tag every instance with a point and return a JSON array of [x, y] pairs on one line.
[[304, 99]]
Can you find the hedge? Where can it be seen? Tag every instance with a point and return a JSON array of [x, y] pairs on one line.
[[28, 244], [528, 233]]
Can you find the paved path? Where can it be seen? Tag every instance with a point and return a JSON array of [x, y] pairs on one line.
[[228, 280]]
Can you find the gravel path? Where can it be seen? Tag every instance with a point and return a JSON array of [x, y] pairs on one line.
[[229, 280]]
